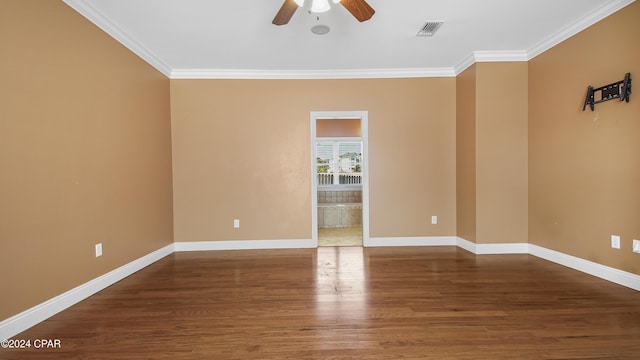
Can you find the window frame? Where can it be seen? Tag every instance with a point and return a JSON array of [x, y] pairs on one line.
[[336, 140]]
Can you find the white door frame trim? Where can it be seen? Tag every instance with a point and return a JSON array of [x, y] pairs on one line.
[[364, 125]]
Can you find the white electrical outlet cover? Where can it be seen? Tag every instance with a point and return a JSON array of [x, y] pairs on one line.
[[636, 246], [98, 250], [434, 220], [615, 241]]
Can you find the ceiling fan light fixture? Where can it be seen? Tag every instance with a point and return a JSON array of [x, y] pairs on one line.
[[322, 4], [358, 8], [318, 6]]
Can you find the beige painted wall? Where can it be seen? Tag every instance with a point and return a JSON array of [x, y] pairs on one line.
[[84, 153], [492, 189], [584, 166], [501, 152], [241, 150], [466, 154], [339, 128]]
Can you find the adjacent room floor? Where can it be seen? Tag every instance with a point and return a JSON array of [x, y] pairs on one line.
[[351, 236]]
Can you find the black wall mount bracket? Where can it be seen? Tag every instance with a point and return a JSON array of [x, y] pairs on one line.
[[617, 90]]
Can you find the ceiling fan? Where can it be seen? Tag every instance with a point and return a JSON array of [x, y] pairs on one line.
[[358, 8]]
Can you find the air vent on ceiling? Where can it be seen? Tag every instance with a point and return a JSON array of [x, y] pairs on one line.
[[429, 28]]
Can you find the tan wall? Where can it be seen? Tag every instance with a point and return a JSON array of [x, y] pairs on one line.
[[341, 128], [241, 150], [491, 159], [84, 153], [584, 169], [466, 154], [501, 153]]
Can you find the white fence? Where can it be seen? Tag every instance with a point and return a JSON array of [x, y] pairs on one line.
[[343, 178]]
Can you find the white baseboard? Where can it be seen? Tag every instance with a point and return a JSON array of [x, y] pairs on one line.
[[30, 317], [244, 245], [489, 249], [619, 277], [479, 249], [616, 276], [411, 241]]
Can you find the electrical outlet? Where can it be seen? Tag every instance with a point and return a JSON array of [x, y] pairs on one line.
[[636, 246], [99, 250], [615, 241], [236, 223], [434, 219]]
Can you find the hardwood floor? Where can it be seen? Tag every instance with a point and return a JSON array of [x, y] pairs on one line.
[[348, 303]]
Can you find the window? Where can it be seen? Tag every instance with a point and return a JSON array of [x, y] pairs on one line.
[[339, 162]]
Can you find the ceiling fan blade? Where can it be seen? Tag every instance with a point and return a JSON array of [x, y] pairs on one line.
[[287, 10], [359, 9]]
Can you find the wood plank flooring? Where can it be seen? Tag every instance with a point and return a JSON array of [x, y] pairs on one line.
[[348, 303]]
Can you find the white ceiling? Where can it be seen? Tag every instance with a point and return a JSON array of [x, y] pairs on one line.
[[236, 39]]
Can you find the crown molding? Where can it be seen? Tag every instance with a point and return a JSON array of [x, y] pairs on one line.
[[94, 16], [607, 9], [590, 19], [490, 56], [465, 64], [311, 74], [500, 56]]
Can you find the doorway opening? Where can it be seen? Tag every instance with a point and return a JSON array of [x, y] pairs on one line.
[[340, 186]]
